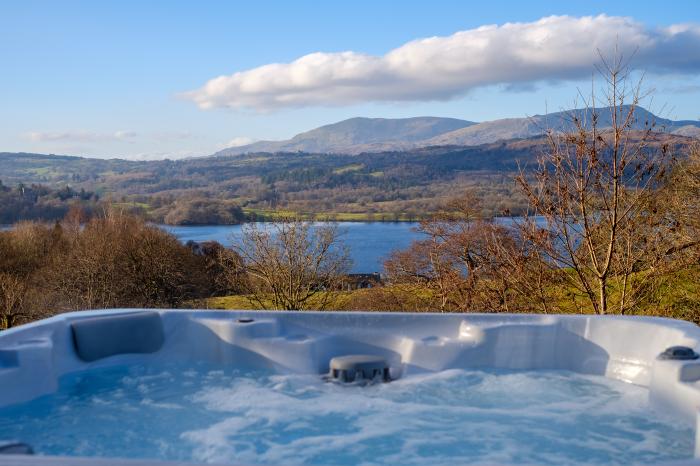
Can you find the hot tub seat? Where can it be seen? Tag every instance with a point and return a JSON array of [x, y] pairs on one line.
[[100, 337]]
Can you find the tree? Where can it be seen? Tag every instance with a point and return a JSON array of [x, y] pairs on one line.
[[471, 263], [111, 261], [24, 251], [202, 211], [119, 261], [681, 197], [292, 264], [14, 297], [224, 267], [594, 187], [449, 260]]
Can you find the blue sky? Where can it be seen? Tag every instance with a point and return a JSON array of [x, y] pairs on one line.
[[110, 79]]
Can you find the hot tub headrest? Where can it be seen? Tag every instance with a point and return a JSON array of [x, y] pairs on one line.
[[99, 337]]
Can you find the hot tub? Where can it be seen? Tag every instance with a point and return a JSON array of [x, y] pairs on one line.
[[242, 387]]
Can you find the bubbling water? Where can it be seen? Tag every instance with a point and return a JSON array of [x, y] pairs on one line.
[[206, 414]]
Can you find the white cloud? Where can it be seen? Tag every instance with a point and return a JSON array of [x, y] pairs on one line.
[[117, 144], [123, 135], [79, 136], [172, 135], [71, 137], [239, 141], [441, 68]]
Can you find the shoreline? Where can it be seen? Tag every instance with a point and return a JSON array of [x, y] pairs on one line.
[[8, 226]]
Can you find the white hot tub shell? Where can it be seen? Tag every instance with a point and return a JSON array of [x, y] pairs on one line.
[[33, 357]]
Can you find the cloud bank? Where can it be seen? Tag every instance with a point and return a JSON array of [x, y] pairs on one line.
[[116, 136], [239, 141], [442, 68], [79, 136]]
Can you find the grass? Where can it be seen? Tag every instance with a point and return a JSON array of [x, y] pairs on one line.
[[342, 217], [272, 214], [257, 159], [364, 217], [677, 297], [346, 217], [338, 301], [235, 302], [41, 171], [229, 302], [349, 168], [130, 205]]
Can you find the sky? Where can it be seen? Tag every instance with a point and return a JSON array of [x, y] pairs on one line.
[[170, 79]]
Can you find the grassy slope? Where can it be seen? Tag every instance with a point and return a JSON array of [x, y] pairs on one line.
[[678, 297]]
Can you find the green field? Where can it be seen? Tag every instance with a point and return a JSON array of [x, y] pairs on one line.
[[677, 296], [348, 168]]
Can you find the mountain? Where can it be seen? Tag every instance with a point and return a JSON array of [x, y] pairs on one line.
[[690, 131], [358, 135], [519, 128], [373, 135]]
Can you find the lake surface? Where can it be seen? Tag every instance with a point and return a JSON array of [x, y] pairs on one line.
[[370, 243]]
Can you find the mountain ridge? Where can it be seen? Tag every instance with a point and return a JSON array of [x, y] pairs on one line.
[[359, 135]]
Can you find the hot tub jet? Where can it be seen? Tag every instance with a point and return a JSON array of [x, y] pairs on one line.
[[358, 368]]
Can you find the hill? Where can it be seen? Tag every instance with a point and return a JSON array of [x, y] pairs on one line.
[[358, 135], [512, 128], [403, 184]]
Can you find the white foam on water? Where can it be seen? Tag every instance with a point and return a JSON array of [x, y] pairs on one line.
[[455, 416], [445, 417]]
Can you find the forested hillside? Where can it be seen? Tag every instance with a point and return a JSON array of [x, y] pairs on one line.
[[389, 185]]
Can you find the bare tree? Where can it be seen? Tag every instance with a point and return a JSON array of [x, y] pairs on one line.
[[469, 263], [292, 264], [681, 199], [120, 261], [522, 280], [24, 251], [594, 186], [448, 261], [14, 300]]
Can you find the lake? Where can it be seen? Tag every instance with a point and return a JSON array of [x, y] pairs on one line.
[[370, 243]]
